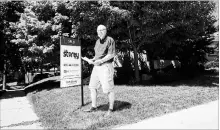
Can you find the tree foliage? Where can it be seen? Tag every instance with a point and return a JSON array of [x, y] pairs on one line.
[[9, 13], [163, 29], [168, 29]]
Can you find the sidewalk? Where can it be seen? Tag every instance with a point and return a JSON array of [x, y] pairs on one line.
[[199, 117], [17, 112]]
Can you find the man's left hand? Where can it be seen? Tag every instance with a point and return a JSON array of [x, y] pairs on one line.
[[98, 62]]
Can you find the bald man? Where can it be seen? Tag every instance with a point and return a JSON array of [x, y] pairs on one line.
[[103, 71]]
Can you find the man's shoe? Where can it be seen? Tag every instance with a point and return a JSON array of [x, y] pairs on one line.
[[92, 109], [109, 112]]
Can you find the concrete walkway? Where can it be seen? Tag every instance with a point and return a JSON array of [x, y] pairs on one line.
[[199, 117], [17, 112]]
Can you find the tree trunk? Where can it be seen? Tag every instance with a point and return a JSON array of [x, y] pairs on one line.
[[4, 65], [151, 61], [136, 67], [4, 76], [41, 67], [54, 70], [41, 70]]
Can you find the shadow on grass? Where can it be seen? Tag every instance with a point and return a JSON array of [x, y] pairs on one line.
[[118, 106], [110, 121], [206, 79], [46, 84], [203, 80]]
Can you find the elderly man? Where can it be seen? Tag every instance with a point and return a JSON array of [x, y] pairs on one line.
[[103, 71]]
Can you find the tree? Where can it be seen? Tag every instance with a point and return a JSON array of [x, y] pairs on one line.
[[162, 29], [156, 27], [35, 37], [159, 27], [9, 13]]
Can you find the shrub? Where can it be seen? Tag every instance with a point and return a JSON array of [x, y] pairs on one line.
[[123, 75], [211, 64]]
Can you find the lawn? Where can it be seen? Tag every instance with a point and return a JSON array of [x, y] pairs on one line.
[[59, 108]]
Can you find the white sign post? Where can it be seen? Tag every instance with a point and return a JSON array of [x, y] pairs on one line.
[[70, 62]]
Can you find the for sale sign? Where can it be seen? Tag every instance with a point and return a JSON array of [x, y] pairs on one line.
[[70, 62]]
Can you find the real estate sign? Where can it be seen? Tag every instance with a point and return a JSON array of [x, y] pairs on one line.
[[70, 62]]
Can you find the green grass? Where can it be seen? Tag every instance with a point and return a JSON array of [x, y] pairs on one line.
[[59, 108]]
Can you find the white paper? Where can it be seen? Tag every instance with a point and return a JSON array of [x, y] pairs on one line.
[[88, 60]]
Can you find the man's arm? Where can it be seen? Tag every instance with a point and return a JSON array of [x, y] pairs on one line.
[[93, 59], [104, 59], [107, 57]]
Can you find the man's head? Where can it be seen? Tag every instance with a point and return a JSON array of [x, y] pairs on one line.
[[101, 30]]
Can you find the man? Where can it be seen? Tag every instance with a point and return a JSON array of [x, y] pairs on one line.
[[103, 71]]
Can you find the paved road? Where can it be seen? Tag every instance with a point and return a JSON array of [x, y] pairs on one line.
[[199, 117]]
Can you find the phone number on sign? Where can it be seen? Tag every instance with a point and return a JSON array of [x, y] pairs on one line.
[[70, 64], [71, 82]]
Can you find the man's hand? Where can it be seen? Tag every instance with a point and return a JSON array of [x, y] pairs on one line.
[[98, 62]]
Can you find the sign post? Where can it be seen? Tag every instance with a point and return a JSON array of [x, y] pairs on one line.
[[82, 99], [70, 63]]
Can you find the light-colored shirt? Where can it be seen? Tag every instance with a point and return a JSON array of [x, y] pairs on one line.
[[104, 47]]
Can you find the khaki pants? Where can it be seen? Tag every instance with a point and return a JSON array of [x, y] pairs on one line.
[[102, 76]]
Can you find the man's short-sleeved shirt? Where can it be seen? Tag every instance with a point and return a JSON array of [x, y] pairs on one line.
[[104, 47]]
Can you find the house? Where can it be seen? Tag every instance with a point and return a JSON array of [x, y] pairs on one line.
[[215, 45]]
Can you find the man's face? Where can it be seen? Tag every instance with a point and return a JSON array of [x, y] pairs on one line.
[[101, 32]]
